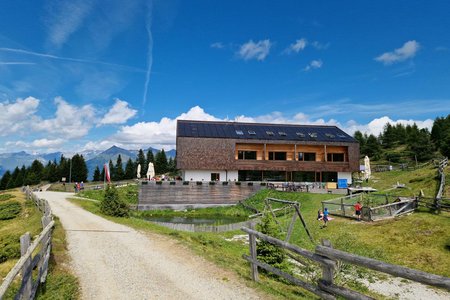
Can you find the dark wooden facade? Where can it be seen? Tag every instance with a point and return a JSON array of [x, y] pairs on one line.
[[220, 154]]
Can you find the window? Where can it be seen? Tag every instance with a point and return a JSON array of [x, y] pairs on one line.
[[239, 132], [299, 134], [313, 134], [300, 156], [335, 156], [251, 132], [282, 133], [247, 154], [329, 135], [215, 176], [341, 135], [277, 155], [269, 132], [310, 156]]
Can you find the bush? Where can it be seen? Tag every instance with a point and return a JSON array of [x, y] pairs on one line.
[[5, 197], [10, 210], [112, 205], [267, 252], [9, 247]]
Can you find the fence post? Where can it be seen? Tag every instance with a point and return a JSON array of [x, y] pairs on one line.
[[27, 278], [342, 206], [252, 242], [327, 271]]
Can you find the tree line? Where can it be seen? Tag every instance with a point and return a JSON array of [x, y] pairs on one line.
[[399, 143], [75, 170]]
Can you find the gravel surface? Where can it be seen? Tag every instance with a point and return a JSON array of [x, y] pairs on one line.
[[113, 261]]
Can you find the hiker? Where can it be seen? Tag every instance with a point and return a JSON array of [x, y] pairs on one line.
[[358, 208], [75, 187], [325, 217]]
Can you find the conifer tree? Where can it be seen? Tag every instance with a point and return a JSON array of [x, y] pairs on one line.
[[130, 170], [119, 169], [97, 175]]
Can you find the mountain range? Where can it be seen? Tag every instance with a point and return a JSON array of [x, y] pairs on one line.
[[93, 158]]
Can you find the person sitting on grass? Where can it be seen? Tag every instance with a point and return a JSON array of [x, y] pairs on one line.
[[319, 215]]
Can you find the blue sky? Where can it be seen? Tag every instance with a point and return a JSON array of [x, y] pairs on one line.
[[87, 74]]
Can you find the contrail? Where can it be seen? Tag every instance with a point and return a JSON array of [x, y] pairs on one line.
[[16, 63], [148, 26], [79, 60]]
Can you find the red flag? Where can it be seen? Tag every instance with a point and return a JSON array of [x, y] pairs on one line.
[[107, 177]]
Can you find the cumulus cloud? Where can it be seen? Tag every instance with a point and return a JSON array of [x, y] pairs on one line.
[[376, 126], [16, 116], [314, 64], [302, 43], [119, 113], [407, 51], [296, 47], [217, 45], [70, 121], [252, 50]]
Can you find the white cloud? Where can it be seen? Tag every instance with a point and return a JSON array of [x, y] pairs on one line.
[[119, 113], [252, 50], [408, 50], [217, 45], [314, 64], [376, 126], [46, 143], [70, 121], [298, 46], [66, 17], [16, 116]]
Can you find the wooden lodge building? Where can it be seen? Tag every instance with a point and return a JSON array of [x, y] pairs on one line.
[[232, 151]]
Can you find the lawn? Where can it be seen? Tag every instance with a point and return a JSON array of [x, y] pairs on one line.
[[420, 240], [60, 283]]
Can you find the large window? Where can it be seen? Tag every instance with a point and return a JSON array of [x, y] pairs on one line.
[[303, 176], [249, 175], [306, 156], [215, 176], [274, 175], [247, 155], [277, 155], [335, 156], [329, 177]]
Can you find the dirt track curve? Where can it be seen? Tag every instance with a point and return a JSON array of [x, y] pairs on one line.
[[114, 261]]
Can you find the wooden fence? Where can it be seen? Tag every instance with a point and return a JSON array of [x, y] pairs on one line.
[[438, 200], [30, 258], [344, 207], [328, 257]]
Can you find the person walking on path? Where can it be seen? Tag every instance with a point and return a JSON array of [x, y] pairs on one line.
[[358, 208]]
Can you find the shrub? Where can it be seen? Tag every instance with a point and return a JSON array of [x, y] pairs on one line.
[[5, 197], [267, 252], [112, 205], [9, 247], [10, 210]]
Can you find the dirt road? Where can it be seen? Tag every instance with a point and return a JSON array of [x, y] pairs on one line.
[[113, 261]]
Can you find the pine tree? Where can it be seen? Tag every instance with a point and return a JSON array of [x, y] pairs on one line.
[[130, 170], [161, 162], [102, 174], [112, 171], [63, 168], [5, 179], [79, 168], [15, 179], [119, 169], [140, 160], [373, 147], [97, 175]]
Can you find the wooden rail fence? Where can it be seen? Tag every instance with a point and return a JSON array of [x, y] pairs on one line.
[[30, 258], [441, 170], [327, 257]]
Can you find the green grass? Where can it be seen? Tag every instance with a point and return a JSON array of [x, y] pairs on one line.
[[29, 220], [420, 240], [128, 193]]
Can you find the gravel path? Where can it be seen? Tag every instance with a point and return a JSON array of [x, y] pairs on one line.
[[114, 261]]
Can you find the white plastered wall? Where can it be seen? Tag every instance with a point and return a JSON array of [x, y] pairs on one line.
[[345, 175], [205, 175]]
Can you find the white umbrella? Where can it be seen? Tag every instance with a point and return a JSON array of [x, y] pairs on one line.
[[150, 171], [367, 168], [138, 171]]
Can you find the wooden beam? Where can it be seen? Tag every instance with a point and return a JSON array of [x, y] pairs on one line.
[[415, 275], [307, 286]]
